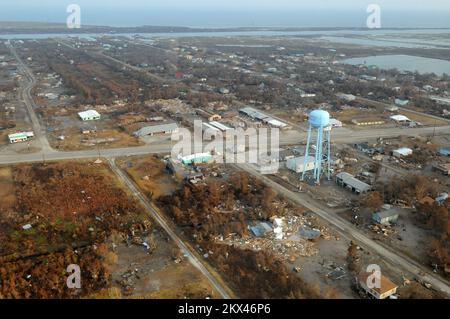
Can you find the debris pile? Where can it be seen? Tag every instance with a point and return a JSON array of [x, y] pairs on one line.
[[289, 244]]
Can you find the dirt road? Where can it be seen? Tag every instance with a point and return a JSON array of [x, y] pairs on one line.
[[193, 256]]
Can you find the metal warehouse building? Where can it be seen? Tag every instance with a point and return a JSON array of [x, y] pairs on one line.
[[348, 181], [167, 128]]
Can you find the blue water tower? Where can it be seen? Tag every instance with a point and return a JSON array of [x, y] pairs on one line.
[[319, 124]]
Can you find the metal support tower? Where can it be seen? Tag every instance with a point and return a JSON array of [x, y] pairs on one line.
[[319, 133]]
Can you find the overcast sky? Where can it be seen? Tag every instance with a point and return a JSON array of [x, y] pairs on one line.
[[238, 4], [214, 13]]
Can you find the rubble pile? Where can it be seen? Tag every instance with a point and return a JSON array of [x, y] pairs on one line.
[[290, 247]]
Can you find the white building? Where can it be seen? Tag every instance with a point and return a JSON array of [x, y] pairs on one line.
[[20, 137], [296, 164], [276, 123], [401, 152], [400, 118], [89, 115]]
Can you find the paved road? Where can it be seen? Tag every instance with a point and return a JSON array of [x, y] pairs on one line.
[[343, 136], [384, 105], [339, 136], [25, 96], [394, 257], [187, 250]]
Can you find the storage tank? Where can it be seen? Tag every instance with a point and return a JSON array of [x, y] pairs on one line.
[[319, 118]]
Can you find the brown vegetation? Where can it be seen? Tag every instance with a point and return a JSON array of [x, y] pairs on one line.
[[217, 210], [72, 209]]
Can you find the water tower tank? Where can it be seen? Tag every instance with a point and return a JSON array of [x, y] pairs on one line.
[[319, 118]]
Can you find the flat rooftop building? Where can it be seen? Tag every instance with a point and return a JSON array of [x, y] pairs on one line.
[[253, 113], [89, 115], [297, 164], [196, 158], [20, 137], [400, 118], [262, 117], [276, 123]]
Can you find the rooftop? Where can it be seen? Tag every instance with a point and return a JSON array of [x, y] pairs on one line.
[[385, 284], [400, 118], [147, 130], [352, 181], [89, 113]]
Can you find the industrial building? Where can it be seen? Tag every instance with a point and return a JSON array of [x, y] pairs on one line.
[[297, 164], [160, 129], [386, 288], [210, 132], [89, 115], [20, 137], [386, 217], [220, 126], [348, 181], [253, 113], [261, 117]]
